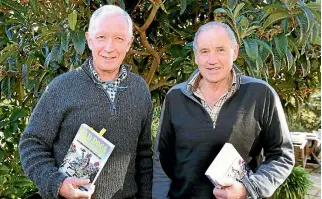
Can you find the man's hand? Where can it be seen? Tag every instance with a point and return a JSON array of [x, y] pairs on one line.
[[69, 188], [231, 189]]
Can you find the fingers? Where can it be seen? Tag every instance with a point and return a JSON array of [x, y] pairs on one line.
[[220, 193], [69, 188], [227, 182], [77, 181]]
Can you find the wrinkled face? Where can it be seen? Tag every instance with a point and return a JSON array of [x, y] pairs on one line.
[[109, 43], [215, 54]]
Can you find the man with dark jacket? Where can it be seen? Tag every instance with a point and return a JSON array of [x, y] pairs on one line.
[[103, 93], [218, 104]]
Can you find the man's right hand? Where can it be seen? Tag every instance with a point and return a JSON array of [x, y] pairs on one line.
[[69, 188]]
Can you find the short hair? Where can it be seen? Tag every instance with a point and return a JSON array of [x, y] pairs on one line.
[[212, 25], [107, 10]]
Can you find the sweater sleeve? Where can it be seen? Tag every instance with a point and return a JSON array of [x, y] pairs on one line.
[[144, 156], [278, 150], [36, 144], [163, 155]]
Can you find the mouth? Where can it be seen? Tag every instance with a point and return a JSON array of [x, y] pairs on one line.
[[213, 68], [108, 58]]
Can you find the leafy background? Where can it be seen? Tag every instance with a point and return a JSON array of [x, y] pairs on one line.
[[279, 42]]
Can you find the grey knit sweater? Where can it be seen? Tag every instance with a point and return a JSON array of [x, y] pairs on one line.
[[74, 98]]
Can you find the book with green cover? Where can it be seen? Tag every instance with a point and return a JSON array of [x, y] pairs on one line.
[[87, 155]]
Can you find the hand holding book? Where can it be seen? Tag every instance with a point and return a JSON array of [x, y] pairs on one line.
[[228, 165], [230, 188], [69, 188]]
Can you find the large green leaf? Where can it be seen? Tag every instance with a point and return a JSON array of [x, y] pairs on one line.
[[263, 53], [259, 65], [281, 44], [4, 169], [72, 20], [314, 5], [269, 9], [21, 181], [309, 17], [294, 47], [251, 48], [238, 9], [277, 62], [8, 51], [79, 41], [274, 17], [47, 60], [316, 31], [55, 55], [289, 60], [264, 45], [232, 4], [65, 38], [303, 27], [164, 22], [183, 6]]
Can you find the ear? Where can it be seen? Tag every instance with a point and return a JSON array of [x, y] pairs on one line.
[[89, 40], [196, 59], [235, 51], [130, 43]]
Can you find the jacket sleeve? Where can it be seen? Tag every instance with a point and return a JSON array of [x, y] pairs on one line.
[[278, 150], [163, 155], [144, 155], [35, 146]]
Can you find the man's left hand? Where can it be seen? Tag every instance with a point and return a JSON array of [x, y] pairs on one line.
[[231, 189]]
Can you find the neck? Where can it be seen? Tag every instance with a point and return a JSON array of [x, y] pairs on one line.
[[217, 87], [107, 75]]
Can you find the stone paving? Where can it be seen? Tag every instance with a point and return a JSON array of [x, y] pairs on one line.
[[315, 176]]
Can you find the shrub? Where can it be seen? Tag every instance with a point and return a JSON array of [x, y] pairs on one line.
[[295, 186]]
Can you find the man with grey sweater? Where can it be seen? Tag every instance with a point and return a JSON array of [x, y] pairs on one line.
[[102, 93]]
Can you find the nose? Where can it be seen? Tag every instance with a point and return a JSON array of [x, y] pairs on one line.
[[109, 46], [212, 58]]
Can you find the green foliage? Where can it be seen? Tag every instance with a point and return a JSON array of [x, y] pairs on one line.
[[295, 186], [12, 122], [155, 123], [279, 42]]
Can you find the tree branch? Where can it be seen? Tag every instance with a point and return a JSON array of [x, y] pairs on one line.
[[143, 53], [152, 14]]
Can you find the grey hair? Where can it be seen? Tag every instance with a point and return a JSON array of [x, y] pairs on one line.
[[212, 25], [106, 11]]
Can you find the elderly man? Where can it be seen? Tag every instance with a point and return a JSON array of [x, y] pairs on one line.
[[219, 104], [102, 93]]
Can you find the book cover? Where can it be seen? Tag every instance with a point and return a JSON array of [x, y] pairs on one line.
[[86, 156], [227, 164]]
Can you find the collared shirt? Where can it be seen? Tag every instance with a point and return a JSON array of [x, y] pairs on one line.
[[213, 111], [109, 86]]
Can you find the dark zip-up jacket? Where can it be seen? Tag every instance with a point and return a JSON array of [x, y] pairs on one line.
[[252, 119]]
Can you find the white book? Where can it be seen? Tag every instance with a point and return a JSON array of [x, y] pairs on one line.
[[227, 164], [86, 156]]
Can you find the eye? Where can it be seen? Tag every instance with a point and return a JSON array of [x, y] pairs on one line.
[[204, 52], [221, 50], [100, 37], [119, 39]]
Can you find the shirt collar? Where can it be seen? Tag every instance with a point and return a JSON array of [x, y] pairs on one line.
[[122, 73], [193, 84]]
